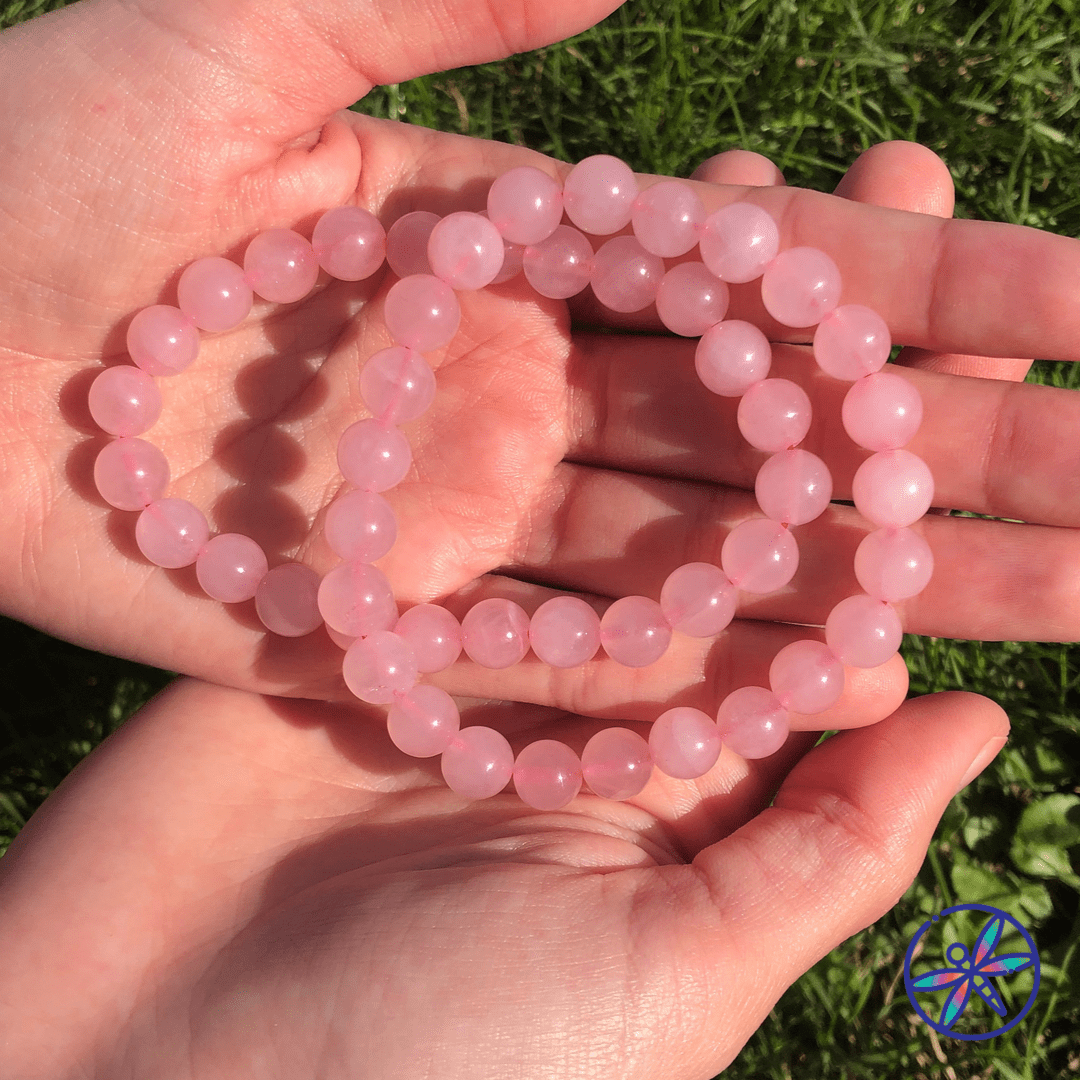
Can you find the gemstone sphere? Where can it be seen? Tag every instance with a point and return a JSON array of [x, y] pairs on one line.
[[616, 763], [547, 774], [684, 743], [800, 286], [752, 722], [287, 600], [599, 193], [495, 633], [478, 763], [564, 632]]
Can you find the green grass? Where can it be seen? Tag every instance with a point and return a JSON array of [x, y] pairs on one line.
[[995, 89]]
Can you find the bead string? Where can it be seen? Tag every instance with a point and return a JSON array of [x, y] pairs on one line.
[[523, 230]]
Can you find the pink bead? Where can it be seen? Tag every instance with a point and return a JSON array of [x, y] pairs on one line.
[[130, 473], [800, 286], [124, 400], [774, 414], [616, 763], [684, 743], [287, 600], [863, 632], [793, 487], [599, 193], [465, 250], [478, 763], [406, 243], [495, 633], [806, 677], [564, 632], [378, 667], [421, 312], [625, 277], [893, 564], [423, 722], [882, 411], [434, 634], [213, 294], [360, 526], [739, 241], [372, 456], [759, 556], [342, 641], [851, 342], [691, 299], [547, 774], [731, 357], [171, 533], [356, 599], [559, 267], [634, 632], [893, 487], [513, 261], [349, 242], [397, 385], [697, 599], [525, 205], [162, 340], [752, 722], [668, 218], [280, 266], [230, 567]]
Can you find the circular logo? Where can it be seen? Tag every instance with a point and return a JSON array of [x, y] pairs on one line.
[[972, 966]]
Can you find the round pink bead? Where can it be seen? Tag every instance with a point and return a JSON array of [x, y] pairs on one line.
[[634, 632], [406, 243], [349, 242], [171, 533], [214, 294], [162, 340], [882, 411], [752, 722], [731, 357], [697, 599], [360, 526], [378, 667], [356, 599], [465, 250], [806, 677], [434, 634], [397, 385], [230, 567], [625, 277], [774, 414], [280, 266], [863, 632], [513, 261], [691, 299], [525, 205], [800, 286], [422, 312], [495, 633], [373, 456], [478, 763], [759, 556], [893, 564], [564, 632], [894, 487], [423, 722], [851, 342], [599, 193], [547, 774], [793, 487], [616, 763], [668, 218], [124, 400], [739, 241], [287, 600], [684, 743], [130, 473], [559, 267]]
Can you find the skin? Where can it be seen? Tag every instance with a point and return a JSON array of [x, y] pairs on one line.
[[243, 884]]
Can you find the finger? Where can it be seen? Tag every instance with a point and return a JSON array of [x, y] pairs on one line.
[[741, 167], [1006, 368]]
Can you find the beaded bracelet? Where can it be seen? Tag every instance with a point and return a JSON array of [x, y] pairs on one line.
[[522, 231]]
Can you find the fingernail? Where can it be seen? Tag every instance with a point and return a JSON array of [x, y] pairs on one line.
[[982, 759]]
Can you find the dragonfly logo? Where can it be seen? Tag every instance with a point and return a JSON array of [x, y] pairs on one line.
[[970, 977]]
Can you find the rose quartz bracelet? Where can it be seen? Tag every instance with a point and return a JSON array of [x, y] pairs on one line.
[[523, 230]]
